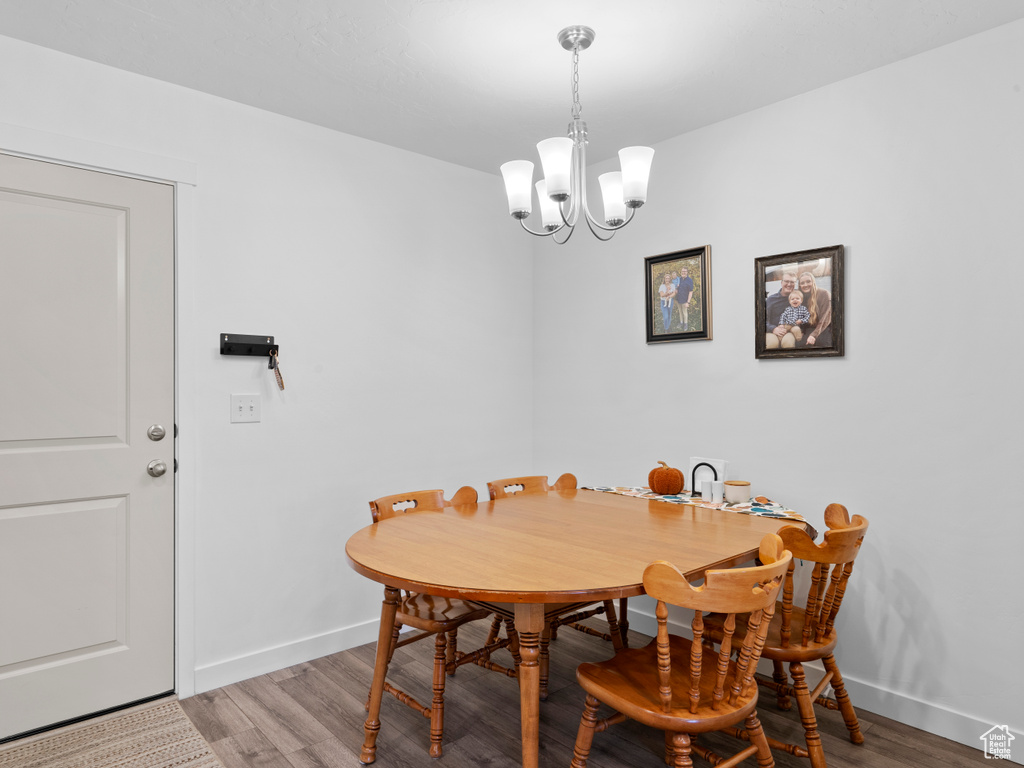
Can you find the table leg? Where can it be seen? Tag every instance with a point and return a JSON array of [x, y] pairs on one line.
[[380, 669], [529, 625]]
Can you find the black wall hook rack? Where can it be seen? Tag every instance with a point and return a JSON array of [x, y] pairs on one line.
[[251, 346]]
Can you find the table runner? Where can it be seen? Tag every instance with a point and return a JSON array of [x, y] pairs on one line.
[[759, 506]]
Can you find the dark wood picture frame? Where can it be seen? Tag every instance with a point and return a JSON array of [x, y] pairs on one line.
[[689, 322], [821, 269]]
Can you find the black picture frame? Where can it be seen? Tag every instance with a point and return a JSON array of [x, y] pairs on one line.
[[691, 322], [821, 269]]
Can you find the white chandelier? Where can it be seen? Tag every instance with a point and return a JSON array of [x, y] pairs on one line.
[[563, 190]]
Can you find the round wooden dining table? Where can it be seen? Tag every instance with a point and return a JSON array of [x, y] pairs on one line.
[[535, 555]]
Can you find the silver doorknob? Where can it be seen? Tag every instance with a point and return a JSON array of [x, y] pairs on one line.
[[156, 468]]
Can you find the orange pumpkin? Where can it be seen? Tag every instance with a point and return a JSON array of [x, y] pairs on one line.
[[666, 480]]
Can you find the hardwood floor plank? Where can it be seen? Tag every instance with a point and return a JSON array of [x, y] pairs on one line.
[[279, 717], [405, 735], [482, 719], [475, 749], [338, 711], [347, 672], [283, 674], [366, 654], [249, 749], [415, 678], [341, 713], [329, 753], [894, 741], [215, 714]]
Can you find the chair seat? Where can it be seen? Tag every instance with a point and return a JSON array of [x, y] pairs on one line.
[[628, 683], [773, 646], [685, 687], [437, 614]]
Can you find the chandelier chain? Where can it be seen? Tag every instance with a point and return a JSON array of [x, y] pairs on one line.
[[575, 82]]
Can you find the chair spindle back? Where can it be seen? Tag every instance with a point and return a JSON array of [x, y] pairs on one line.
[[833, 564], [734, 591]]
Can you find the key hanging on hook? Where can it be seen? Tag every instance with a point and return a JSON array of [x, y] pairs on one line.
[[277, 368]]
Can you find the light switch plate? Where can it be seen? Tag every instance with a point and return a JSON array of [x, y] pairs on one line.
[[245, 408]]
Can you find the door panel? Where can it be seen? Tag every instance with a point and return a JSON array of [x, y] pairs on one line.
[[53, 354], [61, 616], [86, 534]]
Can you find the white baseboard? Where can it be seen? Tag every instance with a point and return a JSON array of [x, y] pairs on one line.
[[933, 718], [222, 673]]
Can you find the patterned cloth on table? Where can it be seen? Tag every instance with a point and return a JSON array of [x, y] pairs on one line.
[[759, 506]]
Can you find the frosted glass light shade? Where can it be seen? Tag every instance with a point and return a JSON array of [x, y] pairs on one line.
[[518, 175], [550, 214], [556, 159], [611, 194], [636, 170]]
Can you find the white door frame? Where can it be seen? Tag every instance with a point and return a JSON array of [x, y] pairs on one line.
[[66, 150]]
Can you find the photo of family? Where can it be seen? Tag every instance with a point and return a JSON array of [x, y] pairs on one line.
[[799, 304], [678, 289]]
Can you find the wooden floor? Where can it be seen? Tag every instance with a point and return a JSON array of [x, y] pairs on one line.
[[311, 716]]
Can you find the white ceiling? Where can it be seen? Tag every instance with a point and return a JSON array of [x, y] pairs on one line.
[[478, 82]]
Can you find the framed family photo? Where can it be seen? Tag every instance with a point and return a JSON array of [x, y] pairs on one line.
[[798, 304], [678, 290]]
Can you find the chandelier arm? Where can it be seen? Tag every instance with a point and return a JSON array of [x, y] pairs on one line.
[[573, 215], [522, 223], [574, 210], [590, 223], [566, 240], [595, 223], [568, 222]]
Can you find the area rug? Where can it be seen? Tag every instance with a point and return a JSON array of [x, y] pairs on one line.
[[157, 737]]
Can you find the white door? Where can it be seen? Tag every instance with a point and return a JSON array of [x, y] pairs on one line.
[[86, 368]]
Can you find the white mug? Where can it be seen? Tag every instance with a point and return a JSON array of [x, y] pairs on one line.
[[737, 491], [717, 491]]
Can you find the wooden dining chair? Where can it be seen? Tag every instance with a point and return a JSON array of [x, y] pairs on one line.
[[510, 486], [438, 617], [616, 634], [799, 635], [682, 686]]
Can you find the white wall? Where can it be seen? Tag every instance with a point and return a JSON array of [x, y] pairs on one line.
[[388, 310], [916, 168]]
